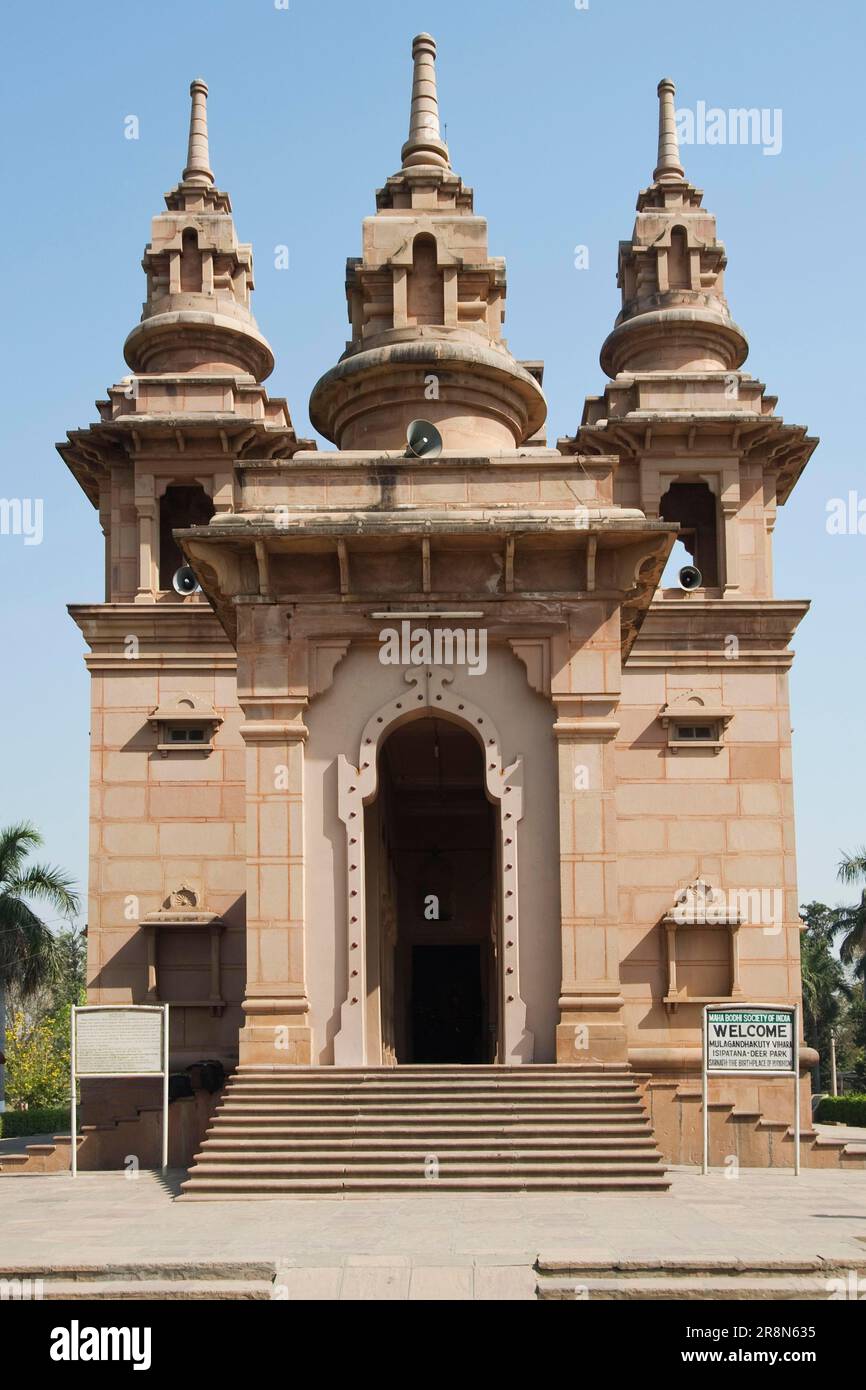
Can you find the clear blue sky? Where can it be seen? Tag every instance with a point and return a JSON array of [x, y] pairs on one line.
[[551, 117]]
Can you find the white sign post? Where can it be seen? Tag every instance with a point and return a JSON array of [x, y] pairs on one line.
[[751, 1040], [119, 1040]]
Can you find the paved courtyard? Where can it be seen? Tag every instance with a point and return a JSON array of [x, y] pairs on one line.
[[469, 1246]]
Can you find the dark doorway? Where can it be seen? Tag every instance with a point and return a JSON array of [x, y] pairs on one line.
[[447, 1008], [179, 507], [694, 507], [432, 909]]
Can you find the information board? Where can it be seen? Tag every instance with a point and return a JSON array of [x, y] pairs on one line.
[[750, 1040], [119, 1042]]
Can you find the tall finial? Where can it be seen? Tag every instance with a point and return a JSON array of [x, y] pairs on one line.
[[198, 168], [425, 145], [668, 166]]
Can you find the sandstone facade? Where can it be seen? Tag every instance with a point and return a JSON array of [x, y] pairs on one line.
[[294, 839]]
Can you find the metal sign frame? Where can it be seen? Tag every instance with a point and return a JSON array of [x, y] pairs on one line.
[[161, 1009], [793, 1010]]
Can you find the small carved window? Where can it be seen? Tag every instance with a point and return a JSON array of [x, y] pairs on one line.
[[193, 733], [695, 720], [184, 724], [696, 733]]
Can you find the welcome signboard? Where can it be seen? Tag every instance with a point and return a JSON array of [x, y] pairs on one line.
[[751, 1040]]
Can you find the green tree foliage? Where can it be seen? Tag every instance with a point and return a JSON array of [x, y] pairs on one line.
[[37, 1060], [28, 947], [826, 988], [851, 921], [36, 964]]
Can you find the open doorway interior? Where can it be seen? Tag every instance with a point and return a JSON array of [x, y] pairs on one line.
[[431, 900]]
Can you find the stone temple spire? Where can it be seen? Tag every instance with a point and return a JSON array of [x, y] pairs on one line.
[[668, 166], [426, 303], [197, 315], [425, 144], [674, 315], [198, 168]]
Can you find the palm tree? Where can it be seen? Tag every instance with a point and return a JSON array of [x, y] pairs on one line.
[[28, 949], [825, 985], [852, 920]]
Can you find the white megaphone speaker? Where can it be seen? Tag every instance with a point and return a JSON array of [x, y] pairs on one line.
[[690, 577], [423, 440], [184, 581]]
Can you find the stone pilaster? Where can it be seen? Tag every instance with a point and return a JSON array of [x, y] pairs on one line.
[[586, 693], [147, 509], [277, 1026]]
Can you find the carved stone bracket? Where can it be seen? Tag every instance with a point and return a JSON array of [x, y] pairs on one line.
[[535, 655]]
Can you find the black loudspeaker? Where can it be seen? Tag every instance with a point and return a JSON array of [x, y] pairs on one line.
[[690, 577], [423, 440], [184, 581]]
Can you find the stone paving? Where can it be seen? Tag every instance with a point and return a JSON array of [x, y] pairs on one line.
[[437, 1245]]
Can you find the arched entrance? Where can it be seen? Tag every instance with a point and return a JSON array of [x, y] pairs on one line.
[[432, 920], [359, 1041]]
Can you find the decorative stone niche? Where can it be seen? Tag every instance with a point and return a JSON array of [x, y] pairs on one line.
[[185, 724], [181, 912], [693, 720], [696, 949]]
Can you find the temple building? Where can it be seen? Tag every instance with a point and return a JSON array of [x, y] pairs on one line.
[[432, 813]]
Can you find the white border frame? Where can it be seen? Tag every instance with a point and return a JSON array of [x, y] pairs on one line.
[[74, 1074], [794, 1011]]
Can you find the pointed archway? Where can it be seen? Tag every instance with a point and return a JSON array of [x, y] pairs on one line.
[[429, 693], [433, 929]]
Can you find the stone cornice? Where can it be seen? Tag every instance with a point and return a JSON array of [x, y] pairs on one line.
[[91, 452], [167, 636], [656, 435], [619, 558], [695, 633]]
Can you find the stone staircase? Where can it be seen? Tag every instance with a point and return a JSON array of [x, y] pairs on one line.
[[290, 1131]]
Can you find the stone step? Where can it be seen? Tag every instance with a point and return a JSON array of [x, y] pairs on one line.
[[285, 1160], [441, 1096], [443, 1085], [529, 1070], [729, 1266], [210, 1188], [491, 1114], [447, 1143], [705, 1288], [373, 1113], [464, 1095], [426, 1140], [208, 1270], [79, 1290], [695, 1279]]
